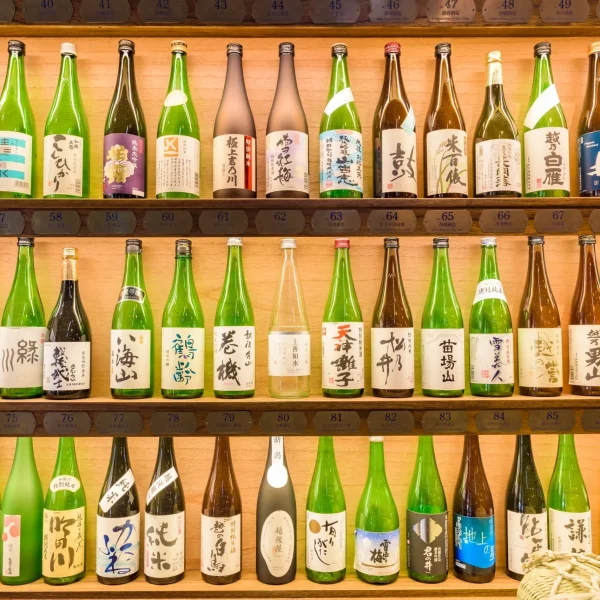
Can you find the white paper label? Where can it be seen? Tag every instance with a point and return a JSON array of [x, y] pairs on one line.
[[289, 354], [164, 554], [277, 475], [377, 553], [498, 166], [489, 289], [182, 358], [175, 98], [234, 162], [167, 478], [392, 358], [343, 357], [540, 357], [221, 551], [443, 359], [22, 356], [65, 483], [117, 491], [63, 545], [584, 355], [547, 159], [178, 165], [547, 100], [526, 534], [341, 158], [570, 532], [342, 98], [15, 162], [130, 351], [447, 166], [492, 358], [67, 366], [11, 546], [234, 361], [287, 161], [117, 546], [63, 165], [325, 542], [277, 542], [399, 161]]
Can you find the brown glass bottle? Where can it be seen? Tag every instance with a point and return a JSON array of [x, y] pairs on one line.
[[221, 520], [540, 335], [394, 135], [234, 137], [392, 333], [445, 151]]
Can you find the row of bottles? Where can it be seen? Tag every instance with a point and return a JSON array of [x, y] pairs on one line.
[[501, 165]]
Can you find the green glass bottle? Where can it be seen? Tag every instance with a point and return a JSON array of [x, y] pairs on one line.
[[183, 332], [343, 332], [442, 333], [18, 146], [569, 512], [491, 334], [63, 552], [234, 335], [326, 519], [341, 143], [377, 544], [545, 137], [22, 515], [131, 337], [67, 135], [426, 519], [23, 331], [178, 137]]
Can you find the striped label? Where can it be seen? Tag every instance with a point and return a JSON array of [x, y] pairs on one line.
[[15, 162]]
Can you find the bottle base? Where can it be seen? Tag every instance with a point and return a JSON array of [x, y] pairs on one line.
[[14, 581], [78, 395], [130, 394], [486, 392], [181, 394], [513, 575], [343, 393], [393, 393], [540, 392], [377, 580], [165, 581], [475, 574], [21, 393], [213, 580], [117, 580], [443, 393], [325, 578], [63, 580], [585, 390], [226, 395], [431, 579]]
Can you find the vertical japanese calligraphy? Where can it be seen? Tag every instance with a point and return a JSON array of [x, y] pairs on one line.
[[427, 542], [67, 365], [164, 545], [526, 534], [15, 162], [117, 546], [399, 161], [443, 359], [182, 358], [341, 156], [343, 365], [63, 549], [234, 162], [63, 165], [498, 166], [130, 358], [287, 162], [447, 168], [377, 553], [569, 531], [540, 357], [547, 159], [325, 541], [289, 354], [221, 545], [22, 356], [584, 355], [392, 358], [124, 165], [474, 542], [234, 358]]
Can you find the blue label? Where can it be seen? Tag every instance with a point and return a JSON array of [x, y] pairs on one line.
[[474, 541], [588, 148], [377, 553]]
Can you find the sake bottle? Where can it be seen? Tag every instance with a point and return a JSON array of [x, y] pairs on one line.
[[67, 135], [118, 520], [64, 527], [326, 519], [23, 331], [234, 335], [377, 543], [182, 363]]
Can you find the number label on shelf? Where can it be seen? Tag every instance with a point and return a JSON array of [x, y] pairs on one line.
[[229, 422], [221, 12], [384, 422], [283, 423], [498, 421], [223, 222], [163, 11], [173, 423], [17, 423], [11, 222], [552, 421], [445, 421], [67, 423], [392, 221], [111, 222], [393, 11], [511, 220], [334, 222], [277, 12], [590, 419], [564, 11], [280, 222], [48, 11], [56, 222], [594, 218], [168, 222], [324, 12], [563, 220], [119, 423], [507, 11], [336, 422], [7, 11], [105, 11], [450, 11], [447, 221]]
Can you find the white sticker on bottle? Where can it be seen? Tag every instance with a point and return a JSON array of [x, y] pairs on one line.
[[11, 546], [584, 355], [234, 162], [289, 354], [164, 554], [540, 357], [443, 359], [130, 358], [182, 358], [167, 478], [410, 122], [178, 165], [498, 166], [343, 356], [341, 157], [221, 545], [175, 98], [547, 159], [22, 356], [547, 100], [63, 544], [447, 164], [287, 162], [67, 366], [489, 289], [16, 162], [117, 491], [377, 553], [325, 542], [492, 359], [393, 358], [277, 542], [277, 475], [526, 534], [117, 546], [399, 161], [65, 483], [342, 98], [234, 358], [63, 165], [570, 532]]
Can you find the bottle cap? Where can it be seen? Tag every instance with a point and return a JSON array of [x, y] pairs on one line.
[[391, 48], [287, 48], [493, 56], [541, 48], [234, 242], [535, 240], [179, 46], [68, 48], [488, 241], [587, 239], [441, 242], [70, 253], [443, 48], [339, 49], [342, 243], [376, 438], [127, 45], [235, 49], [391, 243], [288, 243], [133, 246], [16, 46], [183, 247], [594, 47], [26, 241]]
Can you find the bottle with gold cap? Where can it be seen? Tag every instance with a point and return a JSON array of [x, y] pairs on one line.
[[497, 157], [68, 349]]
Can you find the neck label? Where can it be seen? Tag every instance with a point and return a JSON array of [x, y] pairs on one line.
[[443, 359], [343, 357], [15, 162], [526, 534], [164, 554], [117, 546], [130, 357], [178, 164], [569, 531], [326, 541], [342, 98], [221, 552], [182, 358], [377, 553], [67, 366], [341, 154], [133, 293], [540, 357], [63, 548], [167, 478], [117, 491], [427, 551], [124, 165], [175, 98], [392, 358], [277, 475], [65, 483], [546, 101], [63, 165], [287, 162], [584, 354], [234, 162], [547, 159], [489, 289], [22, 356], [492, 359], [234, 358]]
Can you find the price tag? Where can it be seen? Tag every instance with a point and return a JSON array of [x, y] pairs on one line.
[[594, 218], [17, 423], [445, 421], [280, 222], [56, 222], [335, 11], [450, 11], [11, 222], [168, 222], [564, 11], [498, 421], [283, 423], [563, 220], [67, 423], [223, 222], [553, 421], [393, 11], [47, 11], [163, 11], [7, 11], [221, 12], [119, 423], [392, 221], [509, 220], [111, 222], [334, 222], [386, 422], [277, 12], [229, 422], [336, 422], [447, 222], [590, 419], [105, 11], [173, 423], [507, 11]]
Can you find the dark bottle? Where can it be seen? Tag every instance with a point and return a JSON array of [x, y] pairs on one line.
[[588, 142]]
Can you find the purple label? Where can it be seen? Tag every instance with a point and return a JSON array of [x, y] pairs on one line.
[[124, 164]]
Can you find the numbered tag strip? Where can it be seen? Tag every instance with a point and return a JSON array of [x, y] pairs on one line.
[[117, 491], [224, 12], [161, 483], [17, 423]]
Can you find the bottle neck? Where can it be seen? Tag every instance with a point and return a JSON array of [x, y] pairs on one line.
[[593, 82], [126, 77], [489, 264], [441, 267], [472, 453], [567, 454], [24, 455], [15, 76], [25, 273], [119, 459], [342, 273], [444, 84], [234, 79], [339, 75], [286, 80], [536, 271], [166, 455], [588, 281], [392, 84], [376, 462], [523, 451], [68, 74], [542, 76], [222, 455], [183, 281], [179, 79], [134, 274], [66, 461], [326, 452], [494, 87], [425, 452], [234, 273]]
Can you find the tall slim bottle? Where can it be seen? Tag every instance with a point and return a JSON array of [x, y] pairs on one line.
[[491, 334], [326, 519], [392, 332], [18, 146], [497, 159], [182, 362], [234, 136], [540, 334], [23, 331], [221, 520], [178, 136], [343, 332], [64, 531], [569, 512], [125, 134], [131, 336], [526, 517], [377, 544], [234, 334], [474, 532], [289, 333], [287, 165], [545, 137], [426, 519], [22, 517], [442, 332], [67, 135], [445, 152], [340, 135]]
